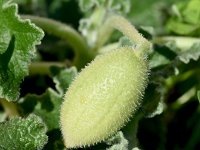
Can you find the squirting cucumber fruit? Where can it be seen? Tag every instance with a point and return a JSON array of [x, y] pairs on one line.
[[104, 96]]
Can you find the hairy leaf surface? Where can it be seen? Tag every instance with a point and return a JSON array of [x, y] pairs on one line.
[[17, 43]]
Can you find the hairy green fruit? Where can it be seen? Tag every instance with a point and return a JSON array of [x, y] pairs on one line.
[[103, 97]]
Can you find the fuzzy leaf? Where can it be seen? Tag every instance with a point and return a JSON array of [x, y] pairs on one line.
[[187, 22], [86, 5], [23, 134], [97, 11], [17, 42], [161, 55], [192, 53], [63, 77], [46, 106], [118, 142], [114, 5], [153, 104]]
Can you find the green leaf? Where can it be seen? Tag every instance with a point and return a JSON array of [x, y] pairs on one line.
[[161, 55], [113, 5], [191, 13], [150, 13], [97, 11], [63, 77], [23, 134], [192, 53], [46, 106], [181, 28], [49, 108], [153, 104], [86, 5], [187, 22], [198, 95], [6, 56], [17, 43], [126, 139], [118, 142]]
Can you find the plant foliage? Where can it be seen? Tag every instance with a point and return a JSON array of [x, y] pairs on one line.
[[34, 78]]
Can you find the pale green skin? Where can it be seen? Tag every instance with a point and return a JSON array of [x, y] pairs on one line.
[[103, 97]]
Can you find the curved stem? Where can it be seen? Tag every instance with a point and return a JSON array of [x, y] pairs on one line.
[[124, 26], [172, 81], [83, 54], [42, 68], [9, 107]]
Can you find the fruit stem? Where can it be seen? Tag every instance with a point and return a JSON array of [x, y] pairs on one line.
[[124, 26]]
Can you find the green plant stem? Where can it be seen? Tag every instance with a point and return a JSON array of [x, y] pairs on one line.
[[9, 107], [171, 82], [121, 24], [83, 54], [198, 95], [181, 42], [43, 68], [185, 97]]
